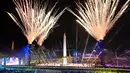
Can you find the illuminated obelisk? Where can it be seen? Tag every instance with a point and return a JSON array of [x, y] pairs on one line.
[[64, 50], [12, 46]]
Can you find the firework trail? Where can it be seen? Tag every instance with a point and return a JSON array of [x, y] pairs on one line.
[[99, 16]]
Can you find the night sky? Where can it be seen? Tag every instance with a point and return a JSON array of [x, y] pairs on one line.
[[9, 31]]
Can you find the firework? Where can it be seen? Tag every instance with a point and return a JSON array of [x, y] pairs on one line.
[[99, 16], [48, 25], [34, 17]]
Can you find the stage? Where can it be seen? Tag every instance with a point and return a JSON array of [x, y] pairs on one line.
[[65, 68]]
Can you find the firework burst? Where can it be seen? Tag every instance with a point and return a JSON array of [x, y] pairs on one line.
[[36, 20], [48, 25], [31, 16], [99, 16]]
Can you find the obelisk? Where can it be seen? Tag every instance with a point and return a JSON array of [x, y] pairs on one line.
[[64, 50]]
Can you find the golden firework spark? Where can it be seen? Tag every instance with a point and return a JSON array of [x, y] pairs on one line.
[[31, 17], [99, 16], [35, 18], [48, 26]]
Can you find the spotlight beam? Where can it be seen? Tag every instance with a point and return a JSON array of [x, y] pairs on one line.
[[85, 48], [92, 52]]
